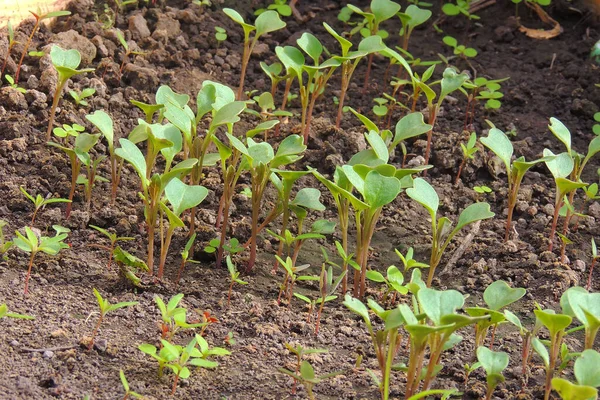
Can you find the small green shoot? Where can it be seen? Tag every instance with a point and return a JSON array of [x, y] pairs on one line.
[[12, 84], [494, 363], [220, 35], [4, 313], [128, 392], [33, 243], [66, 63], [459, 49], [113, 238], [79, 97], [468, 152], [234, 276], [40, 202], [173, 317], [308, 378], [106, 307]]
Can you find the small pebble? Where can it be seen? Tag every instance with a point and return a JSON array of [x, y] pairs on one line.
[[48, 354]]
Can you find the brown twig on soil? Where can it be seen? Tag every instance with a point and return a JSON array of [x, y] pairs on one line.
[[463, 247], [53, 349]]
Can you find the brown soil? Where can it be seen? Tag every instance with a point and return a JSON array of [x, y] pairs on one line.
[[547, 78]]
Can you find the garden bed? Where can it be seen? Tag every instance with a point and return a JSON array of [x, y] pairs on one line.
[[44, 357]]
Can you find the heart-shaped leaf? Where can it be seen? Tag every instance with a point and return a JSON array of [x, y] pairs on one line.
[[499, 294], [437, 304], [182, 196]]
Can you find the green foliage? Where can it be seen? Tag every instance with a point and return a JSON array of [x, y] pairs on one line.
[[129, 265], [4, 313], [461, 7], [79, 97], [180, 359], [40, 202], [66, 63], [174, 318], [280, 6], [441, 229], [459, 49], [128, 391], [33, 243], [308, 378], [494, 363], [585, 307], [5, 245], [220, 34], [234, 276], [13, 84]]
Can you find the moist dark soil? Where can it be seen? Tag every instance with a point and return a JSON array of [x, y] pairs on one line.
[[45, 358]]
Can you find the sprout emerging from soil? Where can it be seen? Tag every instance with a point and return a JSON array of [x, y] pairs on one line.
[[494, 363], [33, 243], [39, 17], [40, 202], [66, 63], [105, 307]]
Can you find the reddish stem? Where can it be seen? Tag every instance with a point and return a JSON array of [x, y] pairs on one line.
[[29, 272], [589, 282], [35, 28]]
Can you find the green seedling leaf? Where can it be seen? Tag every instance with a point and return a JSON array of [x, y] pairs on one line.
[[309, 198], [560, 165], [66, 62], [380, 190], [132, 154], [587, 368], [494, 363], [499, 144], [269, 21], [182, 196], [570, 391], [357, 307], [409, 126], [104, 123], [561, 132], [474, 212], [311, 46], [437, 304], [423, 193], [552, 321], [499, 294]]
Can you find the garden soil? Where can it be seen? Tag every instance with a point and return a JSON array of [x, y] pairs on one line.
[[47, 358]]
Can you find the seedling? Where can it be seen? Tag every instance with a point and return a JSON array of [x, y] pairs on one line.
[[381, 10], [4, 244], [160, 139], [494, 363], [526, 336], [89, 179], [220, 35], [441, 229], [461, 7], [587, 371], [66, 63], [260, 160], [11, 43], [173, 317], [128, 392], [128, 51], [40, 202], [412, 17], [451, 81], [328, 287], [291, 276], [79, 97], [280, 6], [594, 259], [349, 61], [181, 197], [393, 280], [482, 189], [39, 17], [481, 89], [273, 71], [129, 265], [308, 378], [78, 154], [234, 275], [105, 308], [556, 325], [585, 307], [459, 49], [103, 122], [179, 359], [266, 22], [573, 170], [500, 144], [148, 109], [33, 243], [113, 238], [12, 84], [468, 152], [185, 254], [596, 127], [496, 296], [299, 352], [4, 313]]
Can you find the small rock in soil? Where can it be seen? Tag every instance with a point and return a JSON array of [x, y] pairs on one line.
[[579, 265], [73, 40], [170, 27], [48, 354], [33, 82], [138, 27], [37, 100], [141, 77], [13, 99], [594, 210]]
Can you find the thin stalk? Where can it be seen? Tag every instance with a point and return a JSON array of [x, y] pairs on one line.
[[164, 250], [557, 205], [27, 44], [460, 168], [175, 381], [554, 349], [513, 190], [75, 167], [589, 281], [229, 293], [393, 335], [33, 253], [368, 73], [10, 47], [59, 89], [95, 331], [432, 118]]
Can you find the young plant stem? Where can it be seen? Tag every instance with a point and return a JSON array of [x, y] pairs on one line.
[[432, 118], [27, 44], [75, 167], [347, 72], [513, 191], [368, 73], [30, 266], [164, 249], [10, 47], [557, 205], [364, 233], [175, 381], [589, 281], [229, 293], [95, 332], [460, 168], [59, 89], [554, 351]]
